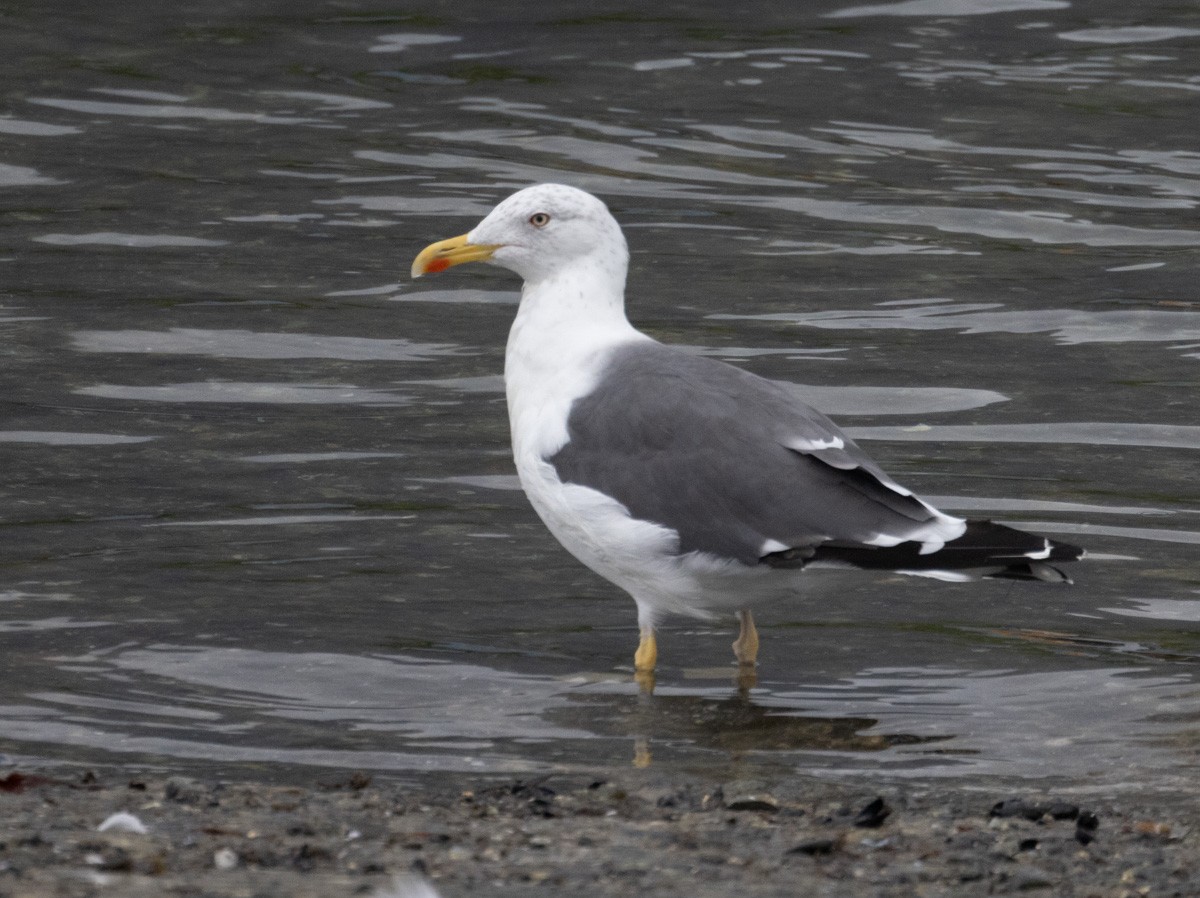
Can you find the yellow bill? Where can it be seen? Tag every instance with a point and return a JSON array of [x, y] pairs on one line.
[[445, 253]]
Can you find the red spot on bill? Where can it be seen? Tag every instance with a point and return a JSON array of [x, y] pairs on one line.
[[436, 265]]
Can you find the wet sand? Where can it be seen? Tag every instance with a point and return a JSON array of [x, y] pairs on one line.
[[615, 831]]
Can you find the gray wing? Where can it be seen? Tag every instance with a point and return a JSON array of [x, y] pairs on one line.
[[732, 462]]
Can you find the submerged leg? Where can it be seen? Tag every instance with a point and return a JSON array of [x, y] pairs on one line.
[[645, 658], [745, 647]]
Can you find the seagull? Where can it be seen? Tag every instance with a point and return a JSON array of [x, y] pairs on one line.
[[695, 486]]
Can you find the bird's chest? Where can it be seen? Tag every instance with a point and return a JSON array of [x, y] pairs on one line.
[[543, 379], [546, 369]]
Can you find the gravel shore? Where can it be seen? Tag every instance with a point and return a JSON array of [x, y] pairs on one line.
[[617, 832]]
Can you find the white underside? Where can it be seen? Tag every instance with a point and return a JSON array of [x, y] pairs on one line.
[[642, 557]]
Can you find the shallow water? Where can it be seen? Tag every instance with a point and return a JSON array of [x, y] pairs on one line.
[[259, 512]]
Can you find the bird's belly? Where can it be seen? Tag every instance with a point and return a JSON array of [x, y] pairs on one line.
[[642, 557], [597, 529]]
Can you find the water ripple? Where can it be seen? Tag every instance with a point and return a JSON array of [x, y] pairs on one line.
[[169, 111], [23, 176], [947, 8], [1133, 34], [24, 128], [239, 344], [1068, 326], [264, 393], [398, 43], [68, 438], [139, 241]]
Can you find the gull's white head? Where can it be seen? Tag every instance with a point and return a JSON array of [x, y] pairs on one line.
[[537, 232]]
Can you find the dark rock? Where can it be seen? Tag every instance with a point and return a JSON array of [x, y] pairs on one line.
[[815, 847], [19, 782], [1017, 807], [1060, 810], [355, 782], [873, 814], [308, 856], [1085, 827]]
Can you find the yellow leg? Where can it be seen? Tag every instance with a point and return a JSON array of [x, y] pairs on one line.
[[646, 656], [644, 660], [745, 647]]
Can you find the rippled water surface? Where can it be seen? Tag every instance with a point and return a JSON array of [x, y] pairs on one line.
[[259, 513]]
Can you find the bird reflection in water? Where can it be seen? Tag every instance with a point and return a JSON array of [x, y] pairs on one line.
[[733, 724]]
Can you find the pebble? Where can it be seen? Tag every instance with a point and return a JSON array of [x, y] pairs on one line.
[[666, 835], [123, 822], [814, 847], [753, 803], [1026, 878]]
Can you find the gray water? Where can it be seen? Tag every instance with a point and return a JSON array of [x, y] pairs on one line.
[[259, 515]]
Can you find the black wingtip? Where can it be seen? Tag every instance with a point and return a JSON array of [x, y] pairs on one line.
[[1012, 554]]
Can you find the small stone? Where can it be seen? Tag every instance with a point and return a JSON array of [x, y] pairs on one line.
[[757, 802], [225, 859], [1029, 878], [1085, 828], [123, 822], [873, 814], [117, 860], [1017, 807], [1060, 810], [815, 847], [407, 886], [1152, 828], [185, 791]]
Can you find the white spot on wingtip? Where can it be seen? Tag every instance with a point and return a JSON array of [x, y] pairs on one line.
[[1044, 553], [801, 445]]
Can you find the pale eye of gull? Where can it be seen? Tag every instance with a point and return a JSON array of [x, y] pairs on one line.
[[539, 219]]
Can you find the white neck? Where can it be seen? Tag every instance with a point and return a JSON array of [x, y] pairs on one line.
[[566, 325], [566, 314]]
